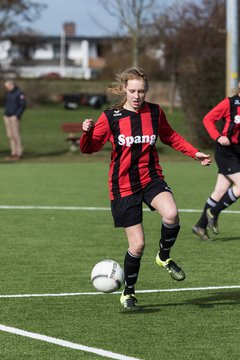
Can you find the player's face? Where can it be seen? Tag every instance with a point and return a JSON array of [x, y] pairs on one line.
[[135, 91]]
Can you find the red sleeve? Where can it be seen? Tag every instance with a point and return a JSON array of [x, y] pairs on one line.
[[220, 111], [94, 140], [172, 138]]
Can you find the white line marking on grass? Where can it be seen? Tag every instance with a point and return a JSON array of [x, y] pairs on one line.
[[207, 288], [199, 211], [64, 343], [88, 208], [46, 207]]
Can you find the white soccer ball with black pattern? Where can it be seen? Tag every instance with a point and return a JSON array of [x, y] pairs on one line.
[[107, 276]]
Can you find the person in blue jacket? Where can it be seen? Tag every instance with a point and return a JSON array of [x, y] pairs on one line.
[[15, 104]]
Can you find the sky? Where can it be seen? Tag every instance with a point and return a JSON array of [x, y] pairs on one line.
[[90, 17]]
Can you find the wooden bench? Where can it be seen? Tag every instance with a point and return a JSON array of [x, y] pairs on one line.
[[74, 129]]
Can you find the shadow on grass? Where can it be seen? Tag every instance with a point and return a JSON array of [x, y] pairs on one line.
[[227, 238], [219, 299], [216, 239], [49, 156], [143, 310], [32, 155], [61, 155]]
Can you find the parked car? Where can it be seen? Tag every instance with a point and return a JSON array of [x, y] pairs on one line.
[[73, 101]]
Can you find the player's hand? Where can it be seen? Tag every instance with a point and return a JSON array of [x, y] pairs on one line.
[[224, 141], [87, 125], [203, 158]]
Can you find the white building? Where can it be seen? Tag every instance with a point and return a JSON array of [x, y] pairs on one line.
[[66, 55]]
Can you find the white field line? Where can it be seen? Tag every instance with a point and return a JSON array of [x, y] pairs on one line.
[[72, 345], [89, 349], [88, 208], [207, 288], [64, 343]]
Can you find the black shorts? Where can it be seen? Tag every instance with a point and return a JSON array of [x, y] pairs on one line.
[[127, 211], [227, 159]]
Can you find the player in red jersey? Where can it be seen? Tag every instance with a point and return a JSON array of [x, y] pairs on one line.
[[135, 175], [227, 155]]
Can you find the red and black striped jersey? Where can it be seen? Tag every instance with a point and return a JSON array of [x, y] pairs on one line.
[[133, 135], [227, 110]]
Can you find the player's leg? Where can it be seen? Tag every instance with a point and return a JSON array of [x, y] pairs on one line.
[[127, 213], [135, 236], [165, 204], [228, 163], [222, 185], [228, 198]]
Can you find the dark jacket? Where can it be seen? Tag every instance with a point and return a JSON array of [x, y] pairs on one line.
[[15, 103]]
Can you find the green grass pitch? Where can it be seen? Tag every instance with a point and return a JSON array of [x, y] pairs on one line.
[[52, 250]]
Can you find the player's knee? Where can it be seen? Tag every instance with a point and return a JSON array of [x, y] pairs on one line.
[[140, 248], [236, 190], [171, 217], [218, 193], [137, 248]]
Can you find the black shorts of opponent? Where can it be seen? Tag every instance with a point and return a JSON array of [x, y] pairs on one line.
[[127, 211], [227, 159]]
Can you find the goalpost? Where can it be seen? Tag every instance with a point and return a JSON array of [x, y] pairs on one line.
[[231, 47]]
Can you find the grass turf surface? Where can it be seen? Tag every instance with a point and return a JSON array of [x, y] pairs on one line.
[[53, 251]]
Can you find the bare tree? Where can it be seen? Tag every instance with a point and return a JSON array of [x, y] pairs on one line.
[[194, 38], [15, 14], [133, 15]]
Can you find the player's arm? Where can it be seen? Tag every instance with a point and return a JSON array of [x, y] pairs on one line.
[[222, 110], [176, 141], [95, 135]]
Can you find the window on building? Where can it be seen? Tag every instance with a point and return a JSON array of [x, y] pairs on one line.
[[57, 51]]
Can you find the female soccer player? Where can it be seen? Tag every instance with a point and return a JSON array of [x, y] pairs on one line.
[[135, 176], [227, 155]]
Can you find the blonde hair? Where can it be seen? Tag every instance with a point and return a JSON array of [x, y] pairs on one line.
[[117, 87]]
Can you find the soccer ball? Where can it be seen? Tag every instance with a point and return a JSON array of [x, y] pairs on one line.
[[107, 276]]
